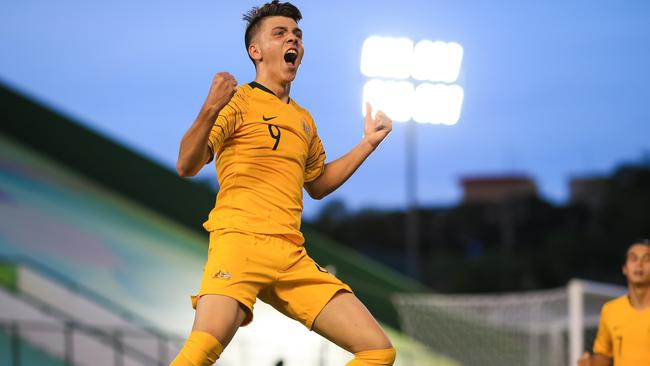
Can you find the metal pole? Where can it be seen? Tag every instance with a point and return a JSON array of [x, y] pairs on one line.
[[117, 349], [163, 350], [412, 220], [576, 324], [68, 351], [15, 345]]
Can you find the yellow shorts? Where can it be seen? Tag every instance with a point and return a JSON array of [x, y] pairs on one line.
[[246, 265]]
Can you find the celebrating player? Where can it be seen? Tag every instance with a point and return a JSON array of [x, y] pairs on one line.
[[623, 337], [267, 149]]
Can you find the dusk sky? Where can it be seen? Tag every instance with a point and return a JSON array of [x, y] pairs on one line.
[[553, 89]]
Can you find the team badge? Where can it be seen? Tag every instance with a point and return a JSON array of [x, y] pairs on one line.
[[306, 128]]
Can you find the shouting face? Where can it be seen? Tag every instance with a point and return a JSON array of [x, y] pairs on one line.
[[277, 48]]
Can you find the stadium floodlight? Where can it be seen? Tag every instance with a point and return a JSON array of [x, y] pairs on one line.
[[437, 103], [394, 66], [436, 61], [387, 57], [394, 98]]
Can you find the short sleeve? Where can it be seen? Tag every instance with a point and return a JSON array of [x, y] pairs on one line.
[[603, 342], [316, 159], [225, 125]]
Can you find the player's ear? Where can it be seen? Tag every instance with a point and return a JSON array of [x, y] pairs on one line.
[[255, 52]]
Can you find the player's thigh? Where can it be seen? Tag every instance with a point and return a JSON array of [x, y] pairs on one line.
[[347, 322], [220, 316]]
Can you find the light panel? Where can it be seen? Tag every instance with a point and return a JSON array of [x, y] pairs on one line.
[[436, 61], [410, 81], [386, 57], [394, 98], [401, 101], [437, 103]]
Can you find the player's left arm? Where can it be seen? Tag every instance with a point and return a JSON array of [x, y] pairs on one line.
[[338, 171]]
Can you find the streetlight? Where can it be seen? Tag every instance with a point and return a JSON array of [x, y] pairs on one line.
[[395, 66]]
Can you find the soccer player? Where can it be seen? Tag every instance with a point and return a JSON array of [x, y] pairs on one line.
[[623, 337], [267, 149]]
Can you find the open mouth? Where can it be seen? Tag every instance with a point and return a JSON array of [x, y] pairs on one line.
[[291, 56]]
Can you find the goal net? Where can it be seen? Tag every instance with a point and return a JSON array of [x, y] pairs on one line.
[[533, 328]]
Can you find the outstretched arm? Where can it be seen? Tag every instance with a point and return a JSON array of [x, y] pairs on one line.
[[194, 152], [339, 170]]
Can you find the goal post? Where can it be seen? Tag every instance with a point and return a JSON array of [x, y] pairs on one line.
[[531, 328], [584, 312]]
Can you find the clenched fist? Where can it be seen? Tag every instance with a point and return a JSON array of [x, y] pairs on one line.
[[222, 89]]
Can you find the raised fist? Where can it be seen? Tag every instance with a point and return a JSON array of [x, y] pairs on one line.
[[222, 89]]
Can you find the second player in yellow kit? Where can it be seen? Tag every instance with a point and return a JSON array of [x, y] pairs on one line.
[[624, 333], [623, 337]]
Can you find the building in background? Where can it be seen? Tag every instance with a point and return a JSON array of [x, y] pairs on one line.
[[497, 189], [589, 191]]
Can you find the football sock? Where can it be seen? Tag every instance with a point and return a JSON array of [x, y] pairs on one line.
[[375, 357], [200, 349]]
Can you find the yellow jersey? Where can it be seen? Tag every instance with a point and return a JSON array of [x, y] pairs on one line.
[[624, 333], [265, 151]]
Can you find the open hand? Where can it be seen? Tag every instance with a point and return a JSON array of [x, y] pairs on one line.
[[376, 129]]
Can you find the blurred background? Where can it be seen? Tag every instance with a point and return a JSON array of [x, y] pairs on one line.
[[543, 178]]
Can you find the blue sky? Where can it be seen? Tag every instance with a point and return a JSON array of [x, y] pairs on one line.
[[553, 89]]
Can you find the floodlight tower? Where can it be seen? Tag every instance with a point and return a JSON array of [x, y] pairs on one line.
[[394, 66]]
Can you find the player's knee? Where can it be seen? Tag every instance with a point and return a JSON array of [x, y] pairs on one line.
[[375, 357]]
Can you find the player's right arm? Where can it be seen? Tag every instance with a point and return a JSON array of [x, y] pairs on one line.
[[194, 151]]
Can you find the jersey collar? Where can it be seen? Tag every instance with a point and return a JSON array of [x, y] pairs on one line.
[[255, 84]]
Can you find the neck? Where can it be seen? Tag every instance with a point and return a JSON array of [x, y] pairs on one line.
[[639, 296], [281, 89]]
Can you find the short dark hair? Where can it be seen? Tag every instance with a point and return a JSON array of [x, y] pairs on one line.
[[254, 17], [645, 242]]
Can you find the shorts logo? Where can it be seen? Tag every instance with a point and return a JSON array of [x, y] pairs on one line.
[[222, 275]]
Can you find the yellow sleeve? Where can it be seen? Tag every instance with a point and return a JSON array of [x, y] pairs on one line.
[[316, 159], [603, 342], [229, 119]]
